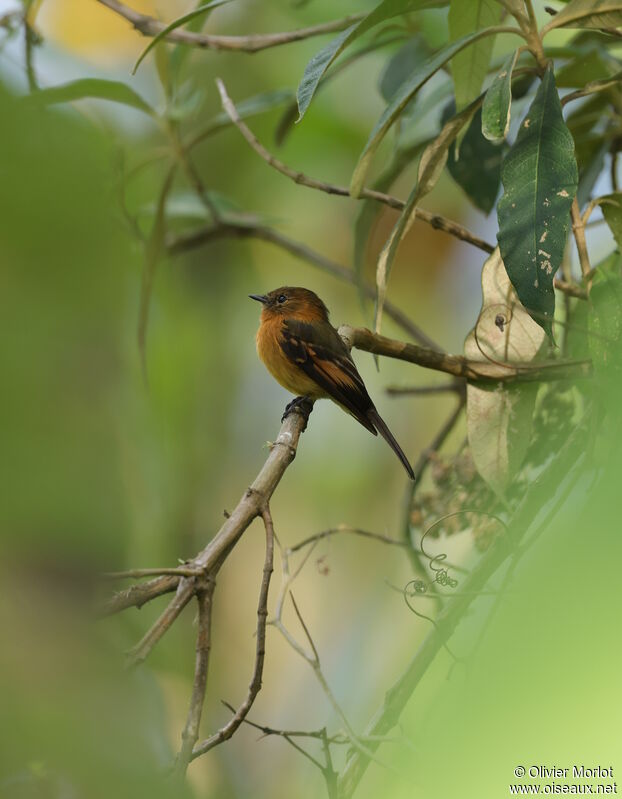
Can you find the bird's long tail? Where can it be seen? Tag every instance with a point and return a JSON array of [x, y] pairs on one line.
[[375, 418]]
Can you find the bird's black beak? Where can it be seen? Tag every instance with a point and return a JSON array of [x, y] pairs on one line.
[[259, 297]]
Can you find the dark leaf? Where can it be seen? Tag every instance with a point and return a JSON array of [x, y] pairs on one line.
[[478, 169], [539, 176]]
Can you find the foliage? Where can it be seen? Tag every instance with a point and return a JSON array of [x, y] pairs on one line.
[[474, 100]]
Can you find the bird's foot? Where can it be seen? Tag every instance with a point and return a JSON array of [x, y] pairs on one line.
[[301, 405]]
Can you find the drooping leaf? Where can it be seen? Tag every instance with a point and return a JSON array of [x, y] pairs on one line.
[[402, 64], [321, 61], [587, 14], [499, 417], [431, 165], [539, 176], [177, 23], [469, 67], [611, 206], [401, 99], [478, 169], [96, 88], [497, 103]]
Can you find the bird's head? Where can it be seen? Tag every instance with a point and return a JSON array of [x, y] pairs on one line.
[[291, 302]]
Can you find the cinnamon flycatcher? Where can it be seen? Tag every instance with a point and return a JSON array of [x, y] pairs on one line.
[[307, 356]]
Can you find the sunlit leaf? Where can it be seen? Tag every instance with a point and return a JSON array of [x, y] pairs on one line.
[[401, 99], [321, 61], [499, 417], [539, 176], [497, 103], [431, 165], [478, 169], [94, 88], [197, 12], [469, 67], [588, 14]]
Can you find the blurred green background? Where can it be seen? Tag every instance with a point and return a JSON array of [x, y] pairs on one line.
[[101, 470]]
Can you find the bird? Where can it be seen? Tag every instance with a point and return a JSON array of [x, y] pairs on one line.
[[307, 356]]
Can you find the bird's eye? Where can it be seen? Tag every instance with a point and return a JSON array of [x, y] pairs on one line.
[[281, 298]]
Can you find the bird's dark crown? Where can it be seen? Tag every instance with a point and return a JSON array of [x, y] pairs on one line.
[[292, 302]]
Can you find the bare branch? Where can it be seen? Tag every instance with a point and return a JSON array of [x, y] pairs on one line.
[[190, 733], [384, 539], [475, 371], [137, 573], [455, 387], [578, 229], [262, 614], [149, 26], [435, 220]]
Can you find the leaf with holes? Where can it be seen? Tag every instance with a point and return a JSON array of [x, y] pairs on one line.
[[498, 102], [587, 14], [315, 69], [469, 67], [539, 176], [499, 417]]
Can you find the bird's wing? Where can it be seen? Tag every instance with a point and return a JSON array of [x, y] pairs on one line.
[[318, 350]]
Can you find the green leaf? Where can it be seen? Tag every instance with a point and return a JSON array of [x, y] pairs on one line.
[[431, 165], [197, 12], [321, 61], [96, 88], [611, 206], [478, 170], [469, 67], [586, 67], [251, 106], [605, 317], [402, 64], [499, 418], [401, 99], [497, 103], [587, 14], [539, 176]]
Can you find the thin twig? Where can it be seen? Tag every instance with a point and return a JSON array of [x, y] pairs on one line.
[[190, 733], [149, 26], [188, 241], [395, 699], [578, 229], [475, 371], [133, 574], [455, 387], [435, 220], [384, 539], [420, 467], [224, 733]]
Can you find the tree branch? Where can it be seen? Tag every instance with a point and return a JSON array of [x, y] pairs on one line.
[[475, 371], [188, 241], [435, 220], [190, 733], [149, 26], [260, 650]]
